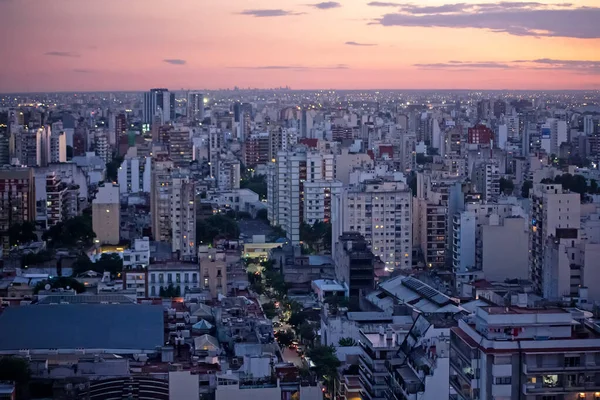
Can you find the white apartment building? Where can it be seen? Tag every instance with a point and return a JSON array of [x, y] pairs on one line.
[[102, 148], [134, 174], [137, 256], [554, 133], [184, 276], [554, 213], [486, 176], [106, 214], [299, 182], [525, 353], [183, 217], [228, 175], [58, 147], [380, 211]]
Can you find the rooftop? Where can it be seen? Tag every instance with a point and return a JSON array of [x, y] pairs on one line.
[[523, 310], [118, 327]]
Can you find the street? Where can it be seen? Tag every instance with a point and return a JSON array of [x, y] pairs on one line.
[[290, 355]]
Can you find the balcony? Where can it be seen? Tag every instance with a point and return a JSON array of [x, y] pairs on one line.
[[560, 388], [545, 368]]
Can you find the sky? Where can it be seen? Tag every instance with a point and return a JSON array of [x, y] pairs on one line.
[[89, 45]]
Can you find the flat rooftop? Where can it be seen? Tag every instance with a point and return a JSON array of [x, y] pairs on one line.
[[523, 310], [118, 327]]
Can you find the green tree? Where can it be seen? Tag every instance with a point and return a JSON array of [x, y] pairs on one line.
[[19, 234], [506, 186], [32, 259], [316, 237], [270, 310], [14, 369], [285, 338], [262, 214], [525, 188], [347, 342], [60, 282], [297, 318], [256, 183], [170, 291], [71, 233], [216, 226], [110, 262], [112, 168], [306, 331], [593, 187], [326, 363]]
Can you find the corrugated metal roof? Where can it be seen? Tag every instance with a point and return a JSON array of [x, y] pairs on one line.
[[82, 326]]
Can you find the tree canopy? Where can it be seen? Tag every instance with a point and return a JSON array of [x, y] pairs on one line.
[[170, 291], [506, 186], [284, 338], [215, 226], [60, 282], [525, 188], [70, 233], [326, 362], [19, 234], [270, 310], [112, 168], [574, 183], [256, 183], [316, 237]]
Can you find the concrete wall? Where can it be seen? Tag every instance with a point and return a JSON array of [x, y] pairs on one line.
[[506, 250], [183, 386]]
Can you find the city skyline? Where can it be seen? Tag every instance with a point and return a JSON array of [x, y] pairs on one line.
[[87, 46]]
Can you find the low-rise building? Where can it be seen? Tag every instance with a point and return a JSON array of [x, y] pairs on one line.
[[178, 275]]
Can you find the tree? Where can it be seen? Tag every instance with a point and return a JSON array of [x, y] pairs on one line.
[[525, 188], [278, 232], [112, 168], [306, 331], [111, 262], [347, 342], [19, 234], [60, 282], [70, 233], [326, 362], [285, 338], [297, 318], [14, 369], [69, 152], [506, 186], [40, 257], [593, 187], [170, 291], [317, 237], [215, 226], [262, 214], [256, 183], [270, 310]]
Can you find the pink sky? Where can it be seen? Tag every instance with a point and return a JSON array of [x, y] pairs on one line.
[[123, 44]]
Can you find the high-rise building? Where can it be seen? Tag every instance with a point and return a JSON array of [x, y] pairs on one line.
[[525, 353], [354, 264], [555, 213], [183, 217], [228, 177], [157, 102], [106, 214], [381, 212], [480, 134], [102, 148], [486, 177], [173, 209], [257, 149], [58, 147], [588, 125], [134, 174], [195, 105], [290, 204], [181, 149], [17, 199]]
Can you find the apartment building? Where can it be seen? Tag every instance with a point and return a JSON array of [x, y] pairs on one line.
[[300, 184], [525, 353], [17, 199], [183, 216], [213, 272], [228, 175], [257, 149], [555, 212], [486, 177], [135, 174], [182, 276], [106, 214], [380, 211], [354, 264]]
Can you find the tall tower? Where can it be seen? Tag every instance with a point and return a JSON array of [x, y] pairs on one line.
[[158, 99]]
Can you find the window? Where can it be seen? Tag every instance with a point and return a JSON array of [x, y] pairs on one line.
[[186, 277], [178, 278], [205, 282], [170, 278], [503, 380], [572, 361], [153, 278], [161, 278]]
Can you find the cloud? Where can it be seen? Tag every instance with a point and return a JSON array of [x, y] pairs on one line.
[[261, 13], [383, 4], [295, 67], [62, 54], [515, 18], [82, 71], [326, 5], [359, 44], [587, 67], [174, 61], [464, 65]]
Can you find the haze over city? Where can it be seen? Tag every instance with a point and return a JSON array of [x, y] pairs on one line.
[[75, 45]]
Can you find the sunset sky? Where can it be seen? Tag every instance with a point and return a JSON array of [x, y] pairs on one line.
[[64, 45]]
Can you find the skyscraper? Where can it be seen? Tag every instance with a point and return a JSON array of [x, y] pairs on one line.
[[195, 106], [158, 100], [17, 199]]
